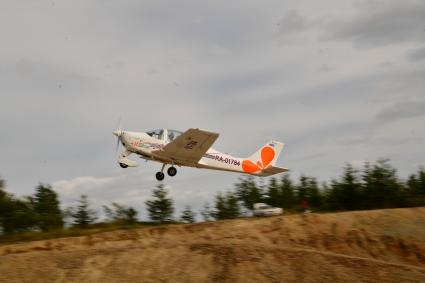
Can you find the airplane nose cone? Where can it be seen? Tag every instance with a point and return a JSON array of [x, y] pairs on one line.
[[117, 133]]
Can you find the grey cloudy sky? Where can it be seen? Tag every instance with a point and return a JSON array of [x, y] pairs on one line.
[[337, 81]]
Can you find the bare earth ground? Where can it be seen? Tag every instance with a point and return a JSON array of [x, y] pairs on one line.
[[369, 246]]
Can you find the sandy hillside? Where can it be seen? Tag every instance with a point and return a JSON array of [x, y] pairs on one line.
[[372, 246]]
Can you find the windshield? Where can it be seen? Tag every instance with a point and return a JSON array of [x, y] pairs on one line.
[[172, 134], [164, 134], [156, 134]]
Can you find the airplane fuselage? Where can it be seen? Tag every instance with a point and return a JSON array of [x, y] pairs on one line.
[[192, 148], [145, 146]]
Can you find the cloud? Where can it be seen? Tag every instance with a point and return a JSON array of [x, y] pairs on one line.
[[84, 183], [324, 68], [416, 54], [353, 140], [293, 22], [358, 164], [378, 23], [42, 78], [403, 110], [102, 190]]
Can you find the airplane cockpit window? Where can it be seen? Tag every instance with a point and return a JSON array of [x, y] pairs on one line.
[[172, 134], [156, 134]]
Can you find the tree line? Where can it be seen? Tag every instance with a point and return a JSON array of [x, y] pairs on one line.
[[374, 186]]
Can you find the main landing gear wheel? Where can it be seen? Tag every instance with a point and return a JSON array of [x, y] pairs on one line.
[[172, 171], [123, 165], [160, 176]]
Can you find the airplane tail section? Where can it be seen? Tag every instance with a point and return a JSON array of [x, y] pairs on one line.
[[264, 160], [269, 153]]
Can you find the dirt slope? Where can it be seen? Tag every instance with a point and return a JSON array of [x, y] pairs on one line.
[[372, 246]]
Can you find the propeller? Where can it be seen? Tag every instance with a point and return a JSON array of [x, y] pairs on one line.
[[118, 133], [118, 144]]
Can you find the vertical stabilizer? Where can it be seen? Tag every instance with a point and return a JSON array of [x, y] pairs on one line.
[[265, 157]]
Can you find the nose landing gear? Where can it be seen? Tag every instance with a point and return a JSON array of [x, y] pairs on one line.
[[172, 171], [160, 176]]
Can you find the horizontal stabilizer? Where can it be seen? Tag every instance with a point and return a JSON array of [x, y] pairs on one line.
[[272, 171]]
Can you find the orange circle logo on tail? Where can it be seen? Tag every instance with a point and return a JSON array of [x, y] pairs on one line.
[[267, 156], [250, 167]]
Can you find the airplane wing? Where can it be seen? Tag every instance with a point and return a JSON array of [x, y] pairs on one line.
[[189, 147]]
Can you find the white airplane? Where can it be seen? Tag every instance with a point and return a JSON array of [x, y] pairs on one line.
[[193, 149]]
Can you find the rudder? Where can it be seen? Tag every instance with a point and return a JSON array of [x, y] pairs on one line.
[[267, 155]]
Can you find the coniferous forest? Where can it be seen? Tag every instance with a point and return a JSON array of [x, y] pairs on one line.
[[374, 186]]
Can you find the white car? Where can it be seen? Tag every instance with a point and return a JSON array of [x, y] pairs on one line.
[[262, 209]]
